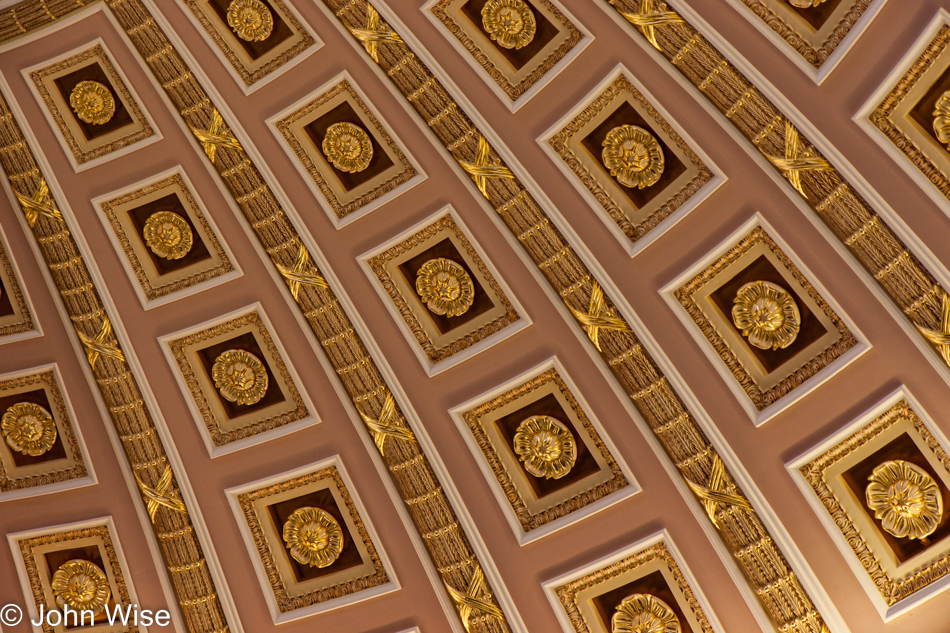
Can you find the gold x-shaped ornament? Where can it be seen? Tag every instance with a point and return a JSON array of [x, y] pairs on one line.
[[793, 164], [216, 136], [483, 168], [596, 319], [101, 345], [941, 338], [302, 273], [39, 204], [384, 427], [717, 492], [648, 18], [474, 601], [158, 497], [372, 35]]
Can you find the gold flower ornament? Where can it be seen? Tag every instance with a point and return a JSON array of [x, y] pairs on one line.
[[347, 147], [28, 428], [633, 156], [239, 376], [643, 613], [313, 537], [905, 498], [805, 4], [82, 585], [92, 102], [168, 235], [942, 118], [510, 23], [250, 20], [445, 287], [545, 446], [766, 314]]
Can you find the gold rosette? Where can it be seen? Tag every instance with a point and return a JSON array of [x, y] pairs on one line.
[[239, 376], [313, 537], [905, 498], [28, 428], [942, 118], [805, 4], [82, 585], [445, 287], [168, 235], [92, 102], [250, 20], [633, 156], [643, 613], [347, 147], [510, 23], [545, 446], [766, 314]]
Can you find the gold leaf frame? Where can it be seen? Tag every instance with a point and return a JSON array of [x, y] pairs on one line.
[[20, 324], [314, 163], [602, 186], [609, 479], [148, 279], [96, 152], [201, 392]]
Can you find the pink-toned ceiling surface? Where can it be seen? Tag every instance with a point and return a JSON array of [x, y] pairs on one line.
[[892, 361]]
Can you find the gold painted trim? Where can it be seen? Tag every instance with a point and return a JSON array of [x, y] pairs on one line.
[[22, 318]]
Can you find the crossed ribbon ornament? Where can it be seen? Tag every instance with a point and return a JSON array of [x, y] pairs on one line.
[[941, 338], [384, 427], [302, 273], [597, 317], [471, 602], [717, 492], [372, 35], [649, 18], [483, 169], [793, 164], [216, 136], [159, 496], [101, 344], [39, 204]]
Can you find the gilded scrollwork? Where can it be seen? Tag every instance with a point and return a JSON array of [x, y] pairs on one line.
[[510, 23], [82, 585], [767, 315], [545, 447], [28, 428], [92, 102], [240, 376], [168, 235], [905, 498]]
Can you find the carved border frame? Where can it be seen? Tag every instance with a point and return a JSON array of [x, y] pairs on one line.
[[25, 326]]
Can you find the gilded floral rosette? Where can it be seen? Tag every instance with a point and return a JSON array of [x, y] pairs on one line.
[[239, 377], [642, 613], [347, 147], [905, 498], [510, 23], [28, 428], [942, 118], [250, 20], [92, 102], [82, 585], [545, 446], [767, 315], [805, 4], [445, 287], [633, 156], [168, 235], [313, 537]]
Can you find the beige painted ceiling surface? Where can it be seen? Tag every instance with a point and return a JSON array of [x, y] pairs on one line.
[[893, 359]]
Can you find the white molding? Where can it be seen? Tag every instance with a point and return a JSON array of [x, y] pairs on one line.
[[148, 304], [37, 330], [217, 451], [632, 487], [261, 573], [435, 368], [339, 223], [586, 38], [839, 364], [41, 106], [887, 613], [632, 248]]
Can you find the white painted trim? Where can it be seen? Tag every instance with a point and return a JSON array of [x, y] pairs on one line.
[[41, 106], [887, 613], [839, 364], [339, 223], [37, 329], [632, 248], [435, 368], [147, 304], [632, 488], [586, 38], [254, 555]]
